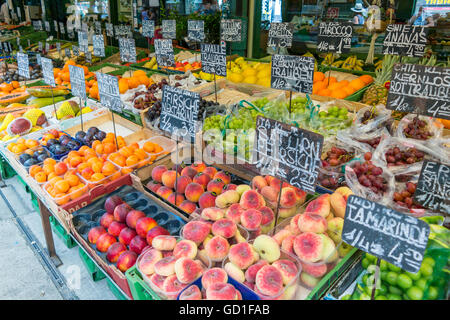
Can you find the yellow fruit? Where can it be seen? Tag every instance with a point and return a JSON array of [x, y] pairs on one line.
[[235, 77], [250, 79], [264, 73], [265, 82], [249, 72]]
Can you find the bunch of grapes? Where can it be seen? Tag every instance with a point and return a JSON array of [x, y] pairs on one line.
[[372, 142], [336, 156], [369, 175], [396, 157], [369, 115], [205, 106], [214, 122], [404, 198], [154, 111], [417, 129]]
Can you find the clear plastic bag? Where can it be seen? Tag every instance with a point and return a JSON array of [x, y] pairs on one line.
[[382, 119], [129, 97], [345, 137], [434, 127]]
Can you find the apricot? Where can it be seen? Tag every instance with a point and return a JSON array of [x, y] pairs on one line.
[[72, 179], [49, 161], [62, 186], [131, 161], [97, 177], [40, 176], [34, 169]]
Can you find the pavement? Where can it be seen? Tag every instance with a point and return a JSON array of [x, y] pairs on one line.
[[27, 272]]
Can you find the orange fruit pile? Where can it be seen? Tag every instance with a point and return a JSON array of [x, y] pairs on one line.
[[153, 149], [49, 170], [108, 145], [62, 76], [66, 188], [130, 157], [22, 145], [12, 87], [138, 78], [330, 87]]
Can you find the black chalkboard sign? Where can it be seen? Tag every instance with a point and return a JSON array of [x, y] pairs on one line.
[[108, 89], [127, 48], [164, 53], [405, 40], [109, 30], [123, 31], [68, 53], [433, 187], [84, 27], [179, 113], [39, 59], [61, 28], [196, 30], [76, 50], [83, 41], [169, 29], [280, 34], [289, 153], [148, 28], [294, 73], [40, 46], [420, 89], [47, 47], [335, 37], [47, 71], [231, 30], [98, 27], [77, 82], [88, 57], [23, 65], [47, 26], [37, 25], [385, 233], [99, 45], [214, 58], [55, 25], [58, 46]]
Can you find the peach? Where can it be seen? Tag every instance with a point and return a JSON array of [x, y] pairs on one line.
[[191, 293], [267, 215], [309, 222], [338, 204], [287, 212], [288, 270], [288, 244], [187, 270], [329, 253], [137, 244], [234, 272], [126, 260], [165, 266], [251, 199], [121, 211], [224, 176], [316, 270], [242, 188], [106, 220], [202, 179], [196, 231], [189, 171], [301, 195], [193, 192], [250, 273], [345, 192], [212, 213], [154, 232], [164, 242], [153, 186], [308, 280], [267, 248], [157, 173], [250, 285], [188, 206], [168, 178], [176, 199], [294, 224], [238, 237], [207, 200], [221, 291], [147, 262], [274, 183], [164, 192], [270, 193], [215, 186], [241, 255], [143, 225], [258, 182], [185, 249], [181, 184], [132, 217], [288, 197], [210, 171], [157, 281], [104, 242], [172, 287], [111, 203], [95, 233], [217, 248], [224, 227], [320, 206], [214, 275], [114, 251], [126, 235], [334, 229], [251, 219], [231, 186], [227, 198], [269, 281], [115, 228], [198, 166], [281, 235], [234, 212], [308, 246]]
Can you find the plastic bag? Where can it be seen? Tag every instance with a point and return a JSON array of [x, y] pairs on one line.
[[434, 127], [382, 119], [129, 97], [345, 137]]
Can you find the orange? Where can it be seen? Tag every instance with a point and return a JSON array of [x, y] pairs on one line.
[[338, 94], [109, 147], [48, 168], [82, 166], [34, 169], [140, 154], [158, 148], [72, 180], [93, 93], [110, 136], [126, 151], [133, 83], [348, 90], [324, 92], [334, 86], [61, 199], [95, 143], [51, 176], [82, 150], [73, 153], [100, 149], [93, 160], [139, 73], [65, 76], [149, 147], [77, 191], [132, 160], [40, 176], [366, 78], [318, 76], [55, 179], [120, 160], [15, 84], [144, 80], [108, 169], [97, 167], [133, 146], [97, 177], [115, 176], [330, 80], [357, 84], [126, 170], [320, 85], [123, 86], [86, 70], [62, 186]]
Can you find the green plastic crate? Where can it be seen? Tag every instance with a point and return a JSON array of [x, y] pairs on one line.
[[355, 72], [95, 272], [104, 65], [34, 201], [119, 295], [358, 95], [6, 170], [62, 234], [136, 118], [139, 289]]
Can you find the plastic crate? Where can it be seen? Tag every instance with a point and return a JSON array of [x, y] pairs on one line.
[[62, 234], [358, 95], [133, 117], [95, 272], [6, 170], [34, 202], [119, 295], [139, 289]]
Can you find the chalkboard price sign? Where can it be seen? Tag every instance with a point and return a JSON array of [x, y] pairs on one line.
[[47, 70], [68, 53], [99, 45], [214, 58], [179, 112], [55, 25], [61, 28], [294, 73], [164, 53], [288, 153], [88, 56], [76, 51], [420, 89], [58, 46], [148, 28], [196, 30], [23, 65], [83, 41], [433, 187], [231, 30], [47, 26], [40, 46], [98, 27], [77, 82], [37, 25], [39, 59], [127, 48], [123, 31], [47, 47], [405, 40], [109, 30], [335, 37], [280, 35], [385, 233], [169, 29], [108, 88]]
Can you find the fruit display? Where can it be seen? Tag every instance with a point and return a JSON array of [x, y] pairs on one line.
[[213, 285], [331, 87], [12, 75], [351, 63], [241, 71], [59, 143], [33, 156]]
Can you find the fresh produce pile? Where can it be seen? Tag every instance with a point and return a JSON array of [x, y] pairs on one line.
[[351, 63], [252, 72], [330, 87]]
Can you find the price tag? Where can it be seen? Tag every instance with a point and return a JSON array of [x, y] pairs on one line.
[[214, 58], [231, 30], [164, 53], [335, 37], [6, 47], [47, 70], [108, 88], [23, 65], [47, 26], [179, 112], [148, 28], [47, 47], [123, 31], [83, 41], [29, 43], [84, 27], [61, 28], [77, 82], [58, 46], [76, 50], [19, 13], [88, 57], [196, 30], [18, 41], [294, 73], [39, 59], [98, 27], [127, 48], [289, 153], [385, 233], [99, 45], [405, 40], [280, 35], [40, 46], [55, 25], [433, 187], [169, 29], [37, 25], [109, 30], [68, 53], [420, 89]]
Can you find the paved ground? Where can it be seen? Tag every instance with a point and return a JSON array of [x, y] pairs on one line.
[[25, 273]]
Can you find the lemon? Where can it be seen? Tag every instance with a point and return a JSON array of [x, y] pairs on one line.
[[265, 73], [250, 79], [249, 72], [235, 77], [265, 82]]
